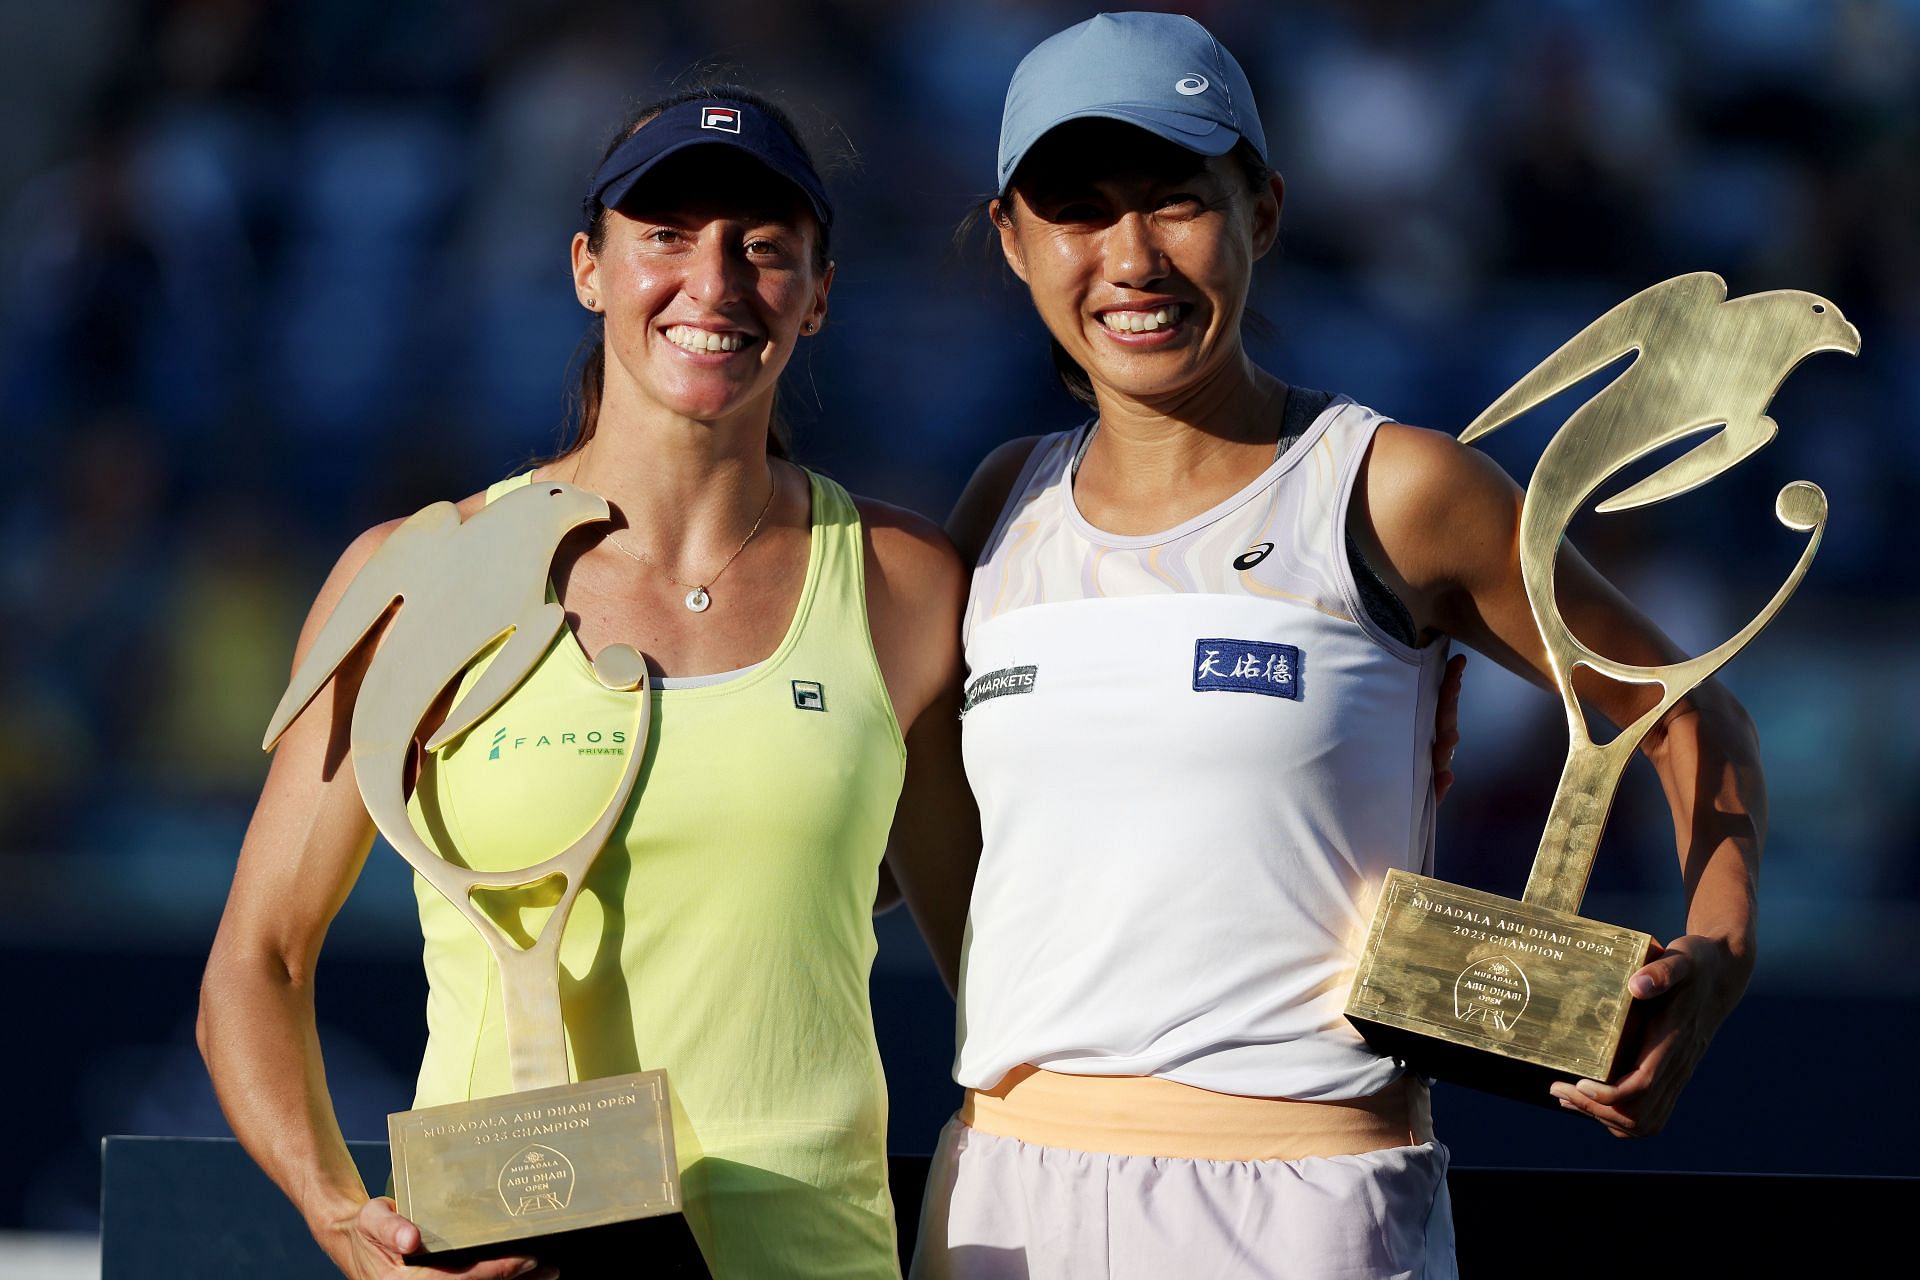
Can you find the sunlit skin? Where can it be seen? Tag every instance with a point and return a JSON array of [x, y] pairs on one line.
[[701, 243], [710, 244], [1103, 219]]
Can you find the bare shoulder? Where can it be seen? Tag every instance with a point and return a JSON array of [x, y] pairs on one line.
[[345, 570], [1425, 470], [471, 503], [985, 496], [362, 548], [912, 553], [916, 589], [352, 560], [1434, 506]]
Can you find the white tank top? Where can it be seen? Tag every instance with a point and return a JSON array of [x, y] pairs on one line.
[[1196, 758]]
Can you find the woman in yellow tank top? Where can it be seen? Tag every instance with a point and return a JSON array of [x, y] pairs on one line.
[[802, 642]]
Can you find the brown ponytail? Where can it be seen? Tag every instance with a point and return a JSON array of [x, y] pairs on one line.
[[593, 381]]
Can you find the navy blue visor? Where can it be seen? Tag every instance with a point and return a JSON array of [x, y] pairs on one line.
[[709, 120]]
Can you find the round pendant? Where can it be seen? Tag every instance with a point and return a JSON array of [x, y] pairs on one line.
[[698, 599]]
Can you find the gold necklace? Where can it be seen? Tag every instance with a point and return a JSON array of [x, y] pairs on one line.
[[698, 598]]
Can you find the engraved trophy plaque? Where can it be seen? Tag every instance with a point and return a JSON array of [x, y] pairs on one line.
[[554, 1156], [1509, 996]]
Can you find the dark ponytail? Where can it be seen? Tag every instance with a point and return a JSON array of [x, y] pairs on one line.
[[583, 415], [592, 356]]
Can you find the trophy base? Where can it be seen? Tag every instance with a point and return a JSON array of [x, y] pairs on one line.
[[1491, 993], [1463, 1065], [665, 1244], [485, 1177]]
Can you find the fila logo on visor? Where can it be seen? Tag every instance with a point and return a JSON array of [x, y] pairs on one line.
[[725, 119], [1190, 86]]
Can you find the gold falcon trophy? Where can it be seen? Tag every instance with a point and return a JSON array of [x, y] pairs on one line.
[[554, 1156], [1509, 996]]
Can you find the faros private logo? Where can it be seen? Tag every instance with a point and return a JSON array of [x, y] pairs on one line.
[[585, 742]]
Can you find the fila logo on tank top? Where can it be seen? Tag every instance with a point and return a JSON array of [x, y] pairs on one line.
[[1214, 757]]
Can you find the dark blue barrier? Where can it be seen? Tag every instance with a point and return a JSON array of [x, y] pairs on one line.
[[200, 1208]]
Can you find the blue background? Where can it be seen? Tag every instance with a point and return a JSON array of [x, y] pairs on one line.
[[272, 273]]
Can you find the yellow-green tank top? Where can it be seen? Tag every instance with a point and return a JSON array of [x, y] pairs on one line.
[[725, 933]]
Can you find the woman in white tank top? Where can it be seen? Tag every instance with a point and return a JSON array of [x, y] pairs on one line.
[[1205, 641]]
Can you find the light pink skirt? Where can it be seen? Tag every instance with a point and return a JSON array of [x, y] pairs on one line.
[[998, 1208]]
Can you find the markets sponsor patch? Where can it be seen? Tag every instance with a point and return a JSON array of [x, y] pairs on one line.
[[998, 684]]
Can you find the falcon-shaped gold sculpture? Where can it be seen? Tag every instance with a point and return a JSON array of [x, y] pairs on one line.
[[1508, 996], [1700, 362], [468, 1173]]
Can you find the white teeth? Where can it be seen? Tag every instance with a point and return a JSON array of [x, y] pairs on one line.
[[1139, 321], [692, 339]]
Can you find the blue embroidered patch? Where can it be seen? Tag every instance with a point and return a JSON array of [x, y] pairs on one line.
[[1246, 666]]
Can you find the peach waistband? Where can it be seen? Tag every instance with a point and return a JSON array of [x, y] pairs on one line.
[[1151, 1116]]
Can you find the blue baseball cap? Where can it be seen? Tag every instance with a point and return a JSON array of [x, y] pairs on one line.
[[706, 121], [1161, 71]]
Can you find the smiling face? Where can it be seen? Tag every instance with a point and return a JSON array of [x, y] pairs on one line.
[[1138, 253], [708, 272]]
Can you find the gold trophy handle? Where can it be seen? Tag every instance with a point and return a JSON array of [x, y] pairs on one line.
[[466, 586], [1511, 996], [467, 589], [1700, 360], [1564, 860], [530, 976]]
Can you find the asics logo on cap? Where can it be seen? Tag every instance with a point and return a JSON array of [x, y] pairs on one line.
[[725, 119], [1190, 85]]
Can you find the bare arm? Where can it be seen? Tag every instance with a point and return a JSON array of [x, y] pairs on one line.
[[916, 587], [303, 850], [934, 847], [1443, 521]]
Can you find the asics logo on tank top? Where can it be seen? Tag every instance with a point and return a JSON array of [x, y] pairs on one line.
[[1252, 556], [575, 741], [1246, 666]]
